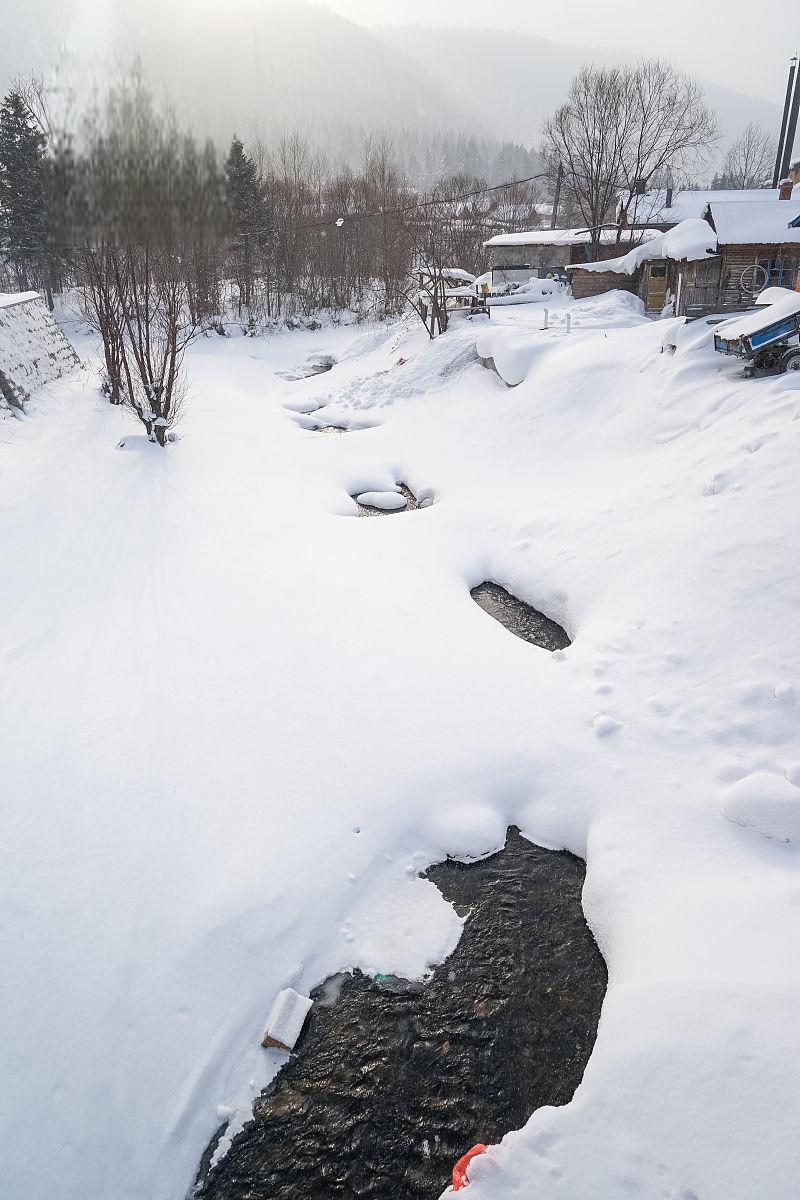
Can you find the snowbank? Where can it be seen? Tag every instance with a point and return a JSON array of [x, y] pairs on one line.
[[767, 803], [243, 724], [512, 352]]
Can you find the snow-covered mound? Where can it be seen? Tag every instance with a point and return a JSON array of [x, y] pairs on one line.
[[767, 803], [512, 352], [240, 726], [33, 350]]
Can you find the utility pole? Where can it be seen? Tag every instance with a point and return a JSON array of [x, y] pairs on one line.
[[557, 195], [788, 125]]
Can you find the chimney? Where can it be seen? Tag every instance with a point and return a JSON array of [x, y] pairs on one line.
[[787, 187], [669, 197]]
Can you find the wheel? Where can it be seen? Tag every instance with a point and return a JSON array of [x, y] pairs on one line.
[[753, 279], [791, 359]]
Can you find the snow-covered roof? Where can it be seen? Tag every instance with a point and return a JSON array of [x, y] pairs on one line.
[[748, 222], [693, 239], [752, 322], [557, 237], [651, 207], [9, 298], [458, 273]]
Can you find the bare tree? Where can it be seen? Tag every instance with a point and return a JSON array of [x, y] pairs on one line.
[[431, 230], [155, 330], [749, 159], [619, 129], [102, 308]]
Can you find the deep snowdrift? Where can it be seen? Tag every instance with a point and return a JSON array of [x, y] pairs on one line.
[[238, 725]]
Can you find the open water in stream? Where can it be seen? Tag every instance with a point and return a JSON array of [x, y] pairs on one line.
[[393, 1081]]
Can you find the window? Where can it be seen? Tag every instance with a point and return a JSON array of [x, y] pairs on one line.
[[781, 272]]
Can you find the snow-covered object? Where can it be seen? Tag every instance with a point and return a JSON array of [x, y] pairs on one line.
[[532, 292], [748, 222], [771, 294], [286, 1019], [692, 240], [389, 501], [33, 350], [766, 802], [751, 322], [458, 274]]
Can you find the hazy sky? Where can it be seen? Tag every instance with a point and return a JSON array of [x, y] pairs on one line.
[[741, 44], [744, 44]]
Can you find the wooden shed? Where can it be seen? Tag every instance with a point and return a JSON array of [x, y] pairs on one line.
[[718, 264], [759, 247]]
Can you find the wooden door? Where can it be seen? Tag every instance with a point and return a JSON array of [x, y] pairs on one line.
[[657, 281]]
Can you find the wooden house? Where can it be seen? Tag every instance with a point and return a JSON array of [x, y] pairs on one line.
[[714, 264]]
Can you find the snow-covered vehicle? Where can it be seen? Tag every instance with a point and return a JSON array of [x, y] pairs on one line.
[[767, 338]]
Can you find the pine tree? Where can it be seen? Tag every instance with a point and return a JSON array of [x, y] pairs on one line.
[[248, 216], [23, 208]]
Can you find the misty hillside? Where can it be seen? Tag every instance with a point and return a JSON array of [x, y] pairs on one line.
[[519, 79], [451, 99], [282, 66]]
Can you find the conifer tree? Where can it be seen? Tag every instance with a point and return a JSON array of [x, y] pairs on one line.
[[248, 217], [23, 209]]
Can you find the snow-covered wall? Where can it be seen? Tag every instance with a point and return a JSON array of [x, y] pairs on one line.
[[33, 350]]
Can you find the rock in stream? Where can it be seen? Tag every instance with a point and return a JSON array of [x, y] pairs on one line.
[[519, 618]]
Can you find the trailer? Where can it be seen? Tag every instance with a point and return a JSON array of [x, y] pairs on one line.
[[767, 339]]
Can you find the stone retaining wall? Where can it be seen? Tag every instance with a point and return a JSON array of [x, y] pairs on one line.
[[33, 350]]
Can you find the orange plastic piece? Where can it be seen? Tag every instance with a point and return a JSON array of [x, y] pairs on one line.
[[460, 1178]]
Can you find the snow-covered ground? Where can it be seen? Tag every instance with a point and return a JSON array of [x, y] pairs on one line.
[[238, 722]]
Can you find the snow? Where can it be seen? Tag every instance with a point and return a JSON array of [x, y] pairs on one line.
[[766, 802], [242, 725], [286, 1017], [385, 500], [751, 322], [7, 299], [514, 352], [532, 292], [691, 204], [748, 222], [458, 273], [771, 294], [562, 237], [692, 240]]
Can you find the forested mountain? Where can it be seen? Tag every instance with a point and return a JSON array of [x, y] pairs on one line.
[[451, 99]]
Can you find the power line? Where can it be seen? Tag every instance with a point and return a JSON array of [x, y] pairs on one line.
[[351, 218]]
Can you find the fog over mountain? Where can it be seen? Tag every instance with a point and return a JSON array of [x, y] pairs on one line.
[[451, 98], [519, 79]]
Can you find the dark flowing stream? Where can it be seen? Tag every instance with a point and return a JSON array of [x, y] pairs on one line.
[[393, 1081]]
